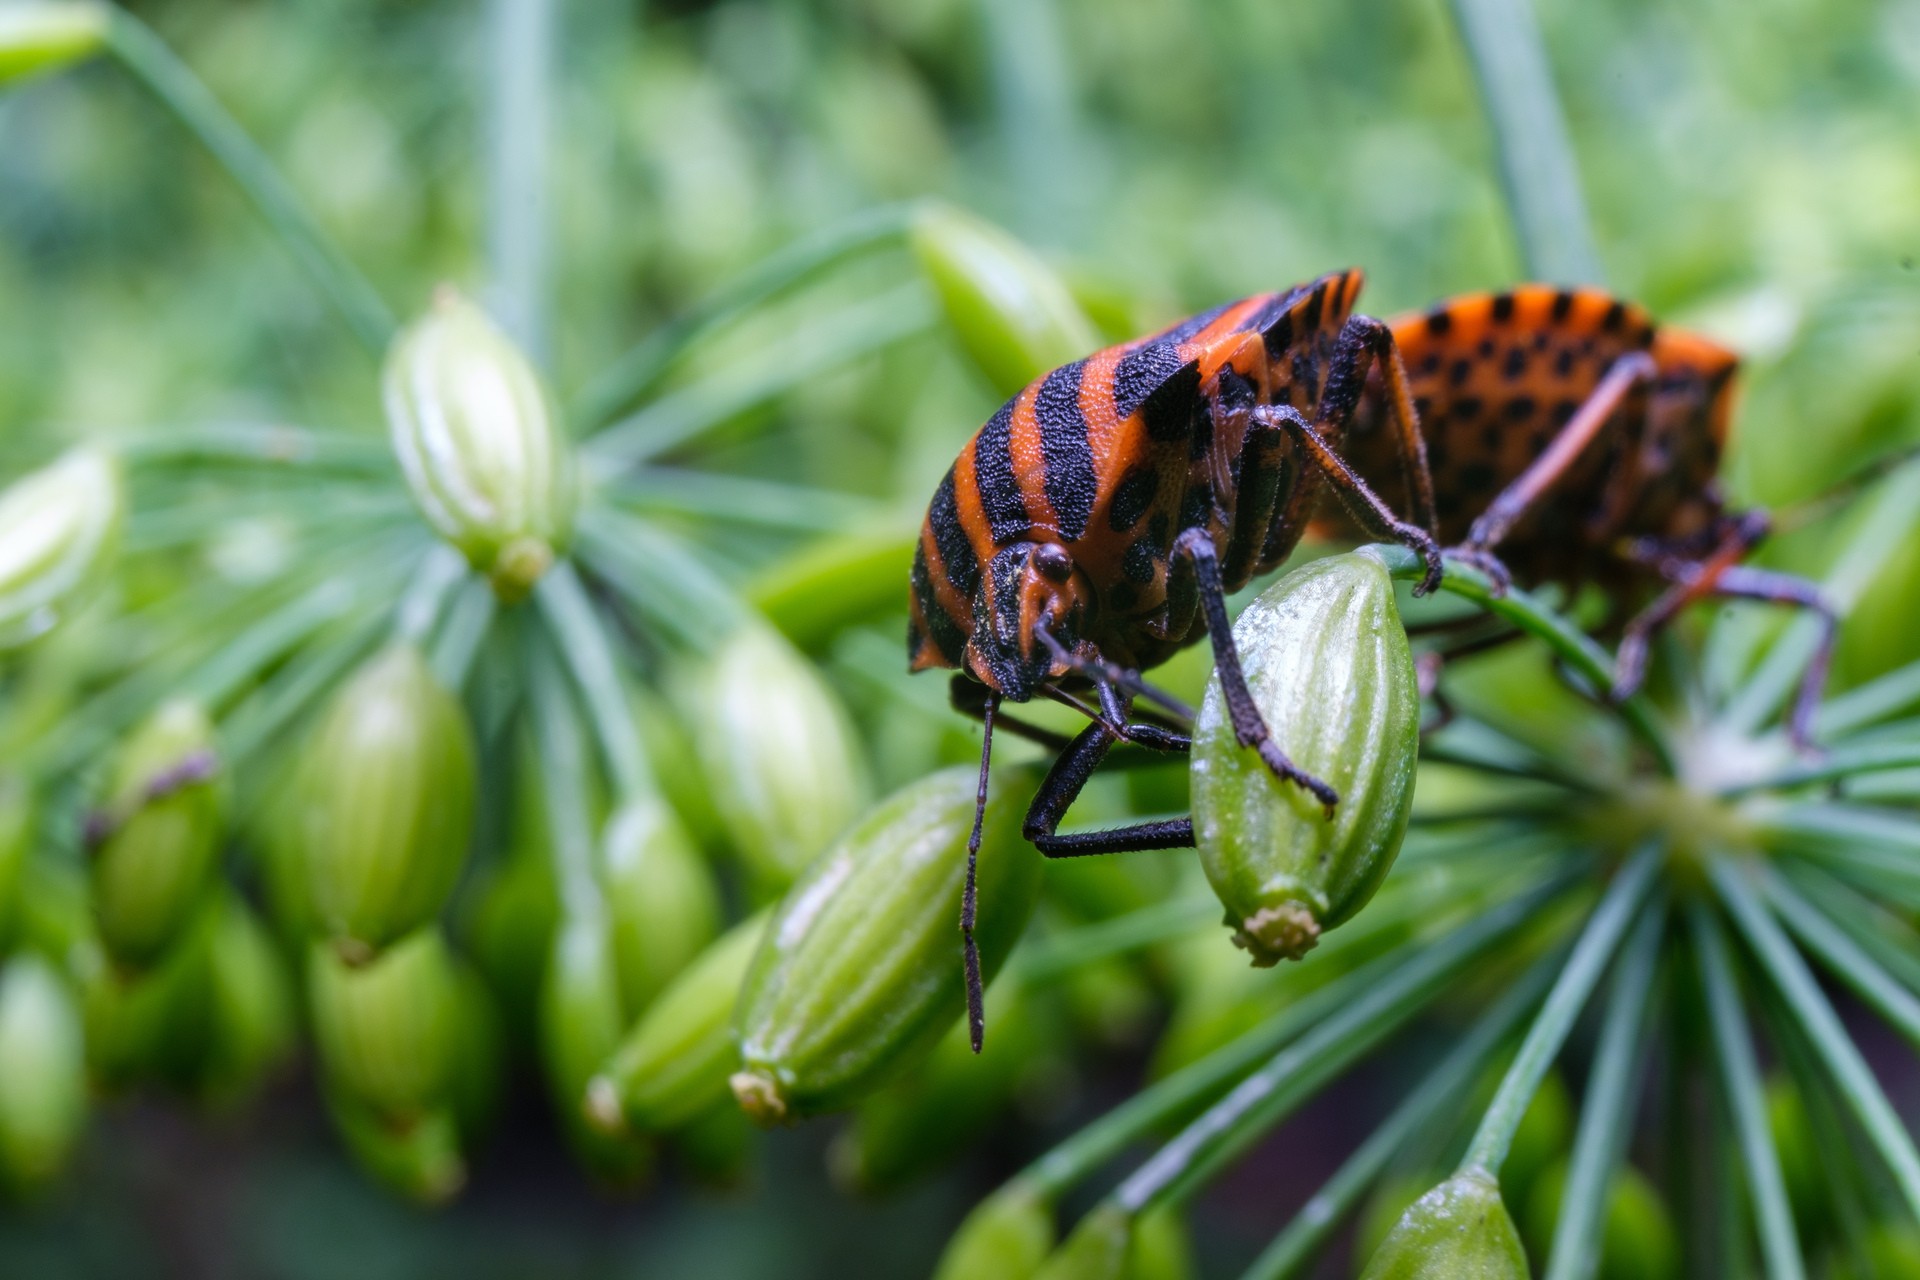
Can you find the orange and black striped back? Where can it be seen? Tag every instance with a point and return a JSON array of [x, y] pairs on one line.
[[1112, 456]]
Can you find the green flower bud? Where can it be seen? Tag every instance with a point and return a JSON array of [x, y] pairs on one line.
[[1012, 314], [581, 1022], [1331, 671], [150, 1025], [1007, 1237], [1460, 1230], [388, 1031], [385, 803], [480, 444], [661, 898], [16, 841], [156, 837], [675, 1062], [56, 524], [45, 35], [676, 766], [782, 761], [418, 1157], [252, 1005], [860, 971], [43, 1084], [1637, 1238], [1162, 1249], [1099, 1248], [510, 919]]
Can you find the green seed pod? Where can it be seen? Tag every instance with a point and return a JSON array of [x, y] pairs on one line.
[[675, 1062], [1007, 1237], [252, 1006], [781, 758], [16, 841], [45, 35], [149, 1026], [418, 1157], [43, 1081], [156, 836], [57, 524], [1460, 1230], [860, 971], [676, 766], [480, 444], [1331, 671], [1012, 314], [385, 803], [661, 900], [1637, 1238], [479, 1056], [388, 1031], [581, 1022], [1099, 1248], [1162, 1248]]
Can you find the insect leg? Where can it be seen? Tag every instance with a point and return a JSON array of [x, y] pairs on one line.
[[970, 897], [1248, 726], [1784, 588], [1365, 343], [1062, 786], [1525, 492], [1365, 505]]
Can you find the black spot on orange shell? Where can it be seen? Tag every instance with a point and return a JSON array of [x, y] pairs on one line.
[[1460, 371], [1439, 321], [1562, 305], [1502, 307], [1616, 314], [1132, 496], [1520, 408], [1139, 561], [1516, 362]]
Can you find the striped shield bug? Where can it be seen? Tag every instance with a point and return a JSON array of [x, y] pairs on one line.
[[1580, 441], [1097, 522]]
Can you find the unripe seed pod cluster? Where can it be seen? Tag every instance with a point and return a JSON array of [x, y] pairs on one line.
[[480, 444], [1328, 663]]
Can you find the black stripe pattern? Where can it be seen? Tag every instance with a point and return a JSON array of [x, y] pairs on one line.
[[1065, 449], [993, 472]]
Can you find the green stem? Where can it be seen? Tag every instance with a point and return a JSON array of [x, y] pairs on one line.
[[1474, 745], [829, 343], [256, 724], [1848, 961], [441, 570], [1881, 698], [1081, 1155], [658, 576], [677, 491], [1537, 168], [1841, 762], [520, 38], [463, 628], [1310, 1228], [1779, 1246], [1823, 1029], [247, 444], [1889, 940], [1568, 642], [1598, 940], [145, 55], [582, 641], [638, 371], [563, 769], [1606, 1113], [1046, 959]]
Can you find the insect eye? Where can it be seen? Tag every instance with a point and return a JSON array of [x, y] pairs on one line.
[[1053, 562]]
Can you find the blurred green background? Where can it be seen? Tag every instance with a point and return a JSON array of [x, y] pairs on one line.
[[1751, 165]]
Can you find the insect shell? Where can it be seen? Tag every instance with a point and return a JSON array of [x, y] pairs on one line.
[[1062, 509], [1497, 376]]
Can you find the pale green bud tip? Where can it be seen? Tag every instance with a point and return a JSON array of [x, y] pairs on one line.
[[1460, 1230], [479, 443], [761, 1097], [1284, 931], [39, 37], [56, 526], [601, 1106]]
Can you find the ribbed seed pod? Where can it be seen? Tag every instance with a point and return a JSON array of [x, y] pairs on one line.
[[781, 758], [1007, 1237], [1328, 663], [662, 904], [45, 35], [43, 1083], [1460, 1230], [388, 1030], [150, 1026], [251, 1017], [860, 970], [479, 443], [581, 1022], [156, 835], [418, 1157], [384, 803], [1010, 311], [674, 1063], [56, 524]]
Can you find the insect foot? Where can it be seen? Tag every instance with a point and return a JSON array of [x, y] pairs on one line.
[[860, 972], [1329, 667]]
